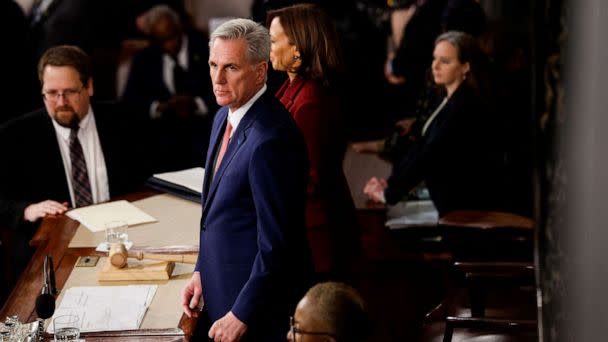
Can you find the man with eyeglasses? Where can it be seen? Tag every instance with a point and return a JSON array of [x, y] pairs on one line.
[[332, 312], [68, 154]]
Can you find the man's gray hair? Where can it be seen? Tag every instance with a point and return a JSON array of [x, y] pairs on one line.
[[256, 36], [154, 14]]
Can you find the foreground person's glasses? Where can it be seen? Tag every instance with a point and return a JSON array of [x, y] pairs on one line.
[[294, 331]]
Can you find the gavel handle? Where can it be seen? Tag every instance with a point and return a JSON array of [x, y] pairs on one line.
[[183, 258]]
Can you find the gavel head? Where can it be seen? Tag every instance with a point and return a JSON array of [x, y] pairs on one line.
[[118, 255]]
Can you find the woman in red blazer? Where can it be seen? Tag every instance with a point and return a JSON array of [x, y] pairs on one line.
[[304, 44]]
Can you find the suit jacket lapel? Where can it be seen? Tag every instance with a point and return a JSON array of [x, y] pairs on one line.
[[215, 140], [238, 139], [55, 160]]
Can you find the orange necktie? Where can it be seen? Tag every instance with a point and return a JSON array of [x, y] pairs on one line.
[[224, 146]]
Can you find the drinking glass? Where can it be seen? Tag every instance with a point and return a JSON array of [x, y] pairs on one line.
[[116, 231], [66, 328]]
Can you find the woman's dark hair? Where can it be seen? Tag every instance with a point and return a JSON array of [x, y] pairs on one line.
[[313, 33]]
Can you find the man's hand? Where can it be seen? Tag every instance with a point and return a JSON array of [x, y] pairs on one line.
[[374, 189], [192, 300], [36, 211], [405, 125], [227, 329], [390, 77]]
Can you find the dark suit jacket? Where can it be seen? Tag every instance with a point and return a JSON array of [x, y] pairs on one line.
[[33, 169], [179, 143], [415, 52], [330, 212], [254, 260], [458, 157], [146, 85]]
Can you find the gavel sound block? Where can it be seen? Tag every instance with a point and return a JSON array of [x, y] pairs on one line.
[[117, 267]]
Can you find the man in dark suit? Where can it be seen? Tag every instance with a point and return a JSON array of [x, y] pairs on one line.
[[254, 261], [67, 154], [168, 85]]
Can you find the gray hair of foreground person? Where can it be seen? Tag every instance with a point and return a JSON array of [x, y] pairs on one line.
[[342, 309], [256, 36]]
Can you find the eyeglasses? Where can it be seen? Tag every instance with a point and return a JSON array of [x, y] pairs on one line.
[[68, 94], [294, 331]]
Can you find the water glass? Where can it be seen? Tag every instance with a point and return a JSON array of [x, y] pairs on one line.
[[116, 231], [66, 328]]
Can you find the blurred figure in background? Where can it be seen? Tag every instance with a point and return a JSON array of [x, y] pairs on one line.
[[169, 87], [12, 19], [457, 154]]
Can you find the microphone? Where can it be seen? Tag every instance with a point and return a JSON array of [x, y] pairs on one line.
[[45, 303], [53, 287]]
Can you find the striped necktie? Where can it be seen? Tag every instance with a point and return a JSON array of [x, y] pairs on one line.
[[80, 176]]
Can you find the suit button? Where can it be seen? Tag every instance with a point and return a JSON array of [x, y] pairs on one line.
[[203, 227]]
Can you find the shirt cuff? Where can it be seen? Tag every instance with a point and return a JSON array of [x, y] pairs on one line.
[[381, 197], [154, 113], [201, 107]]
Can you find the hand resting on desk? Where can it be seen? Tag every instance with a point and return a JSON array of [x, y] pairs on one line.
[[36, 211], [374, 189]]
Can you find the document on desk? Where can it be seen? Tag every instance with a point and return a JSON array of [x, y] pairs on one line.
[[106, 308], [412, 214], [94, 217]]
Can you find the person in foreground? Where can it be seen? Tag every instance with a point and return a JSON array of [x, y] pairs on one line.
[[254, 263], [71, 153], [457, 154], [330, 312], [304, 43]]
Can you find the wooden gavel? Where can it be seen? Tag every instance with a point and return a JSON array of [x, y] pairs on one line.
[[118, 256]]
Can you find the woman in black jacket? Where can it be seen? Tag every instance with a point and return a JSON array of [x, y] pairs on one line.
[[456, 155]]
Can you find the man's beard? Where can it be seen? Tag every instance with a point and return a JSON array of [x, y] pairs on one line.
[[73, 121]]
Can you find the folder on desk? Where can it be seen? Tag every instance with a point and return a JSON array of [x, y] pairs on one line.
[[187, 184], [94, 217]]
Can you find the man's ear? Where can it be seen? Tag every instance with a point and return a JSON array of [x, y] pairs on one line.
[[261, 70], [467, 68], [89, 87]]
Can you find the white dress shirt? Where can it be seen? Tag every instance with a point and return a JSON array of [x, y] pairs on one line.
[[93, 155], [236, 116], [168, 65]]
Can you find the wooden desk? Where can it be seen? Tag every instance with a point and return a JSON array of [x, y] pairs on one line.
[[53, 238]]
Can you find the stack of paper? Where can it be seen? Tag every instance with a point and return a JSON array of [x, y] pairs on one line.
[[106, 308], [187, 184]]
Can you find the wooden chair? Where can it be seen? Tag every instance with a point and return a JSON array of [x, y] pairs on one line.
[[491, 249], [482, 276]]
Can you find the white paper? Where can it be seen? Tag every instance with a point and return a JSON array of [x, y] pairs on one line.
[[412, 214], [94, 217], [189, 178], [106, 308]]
